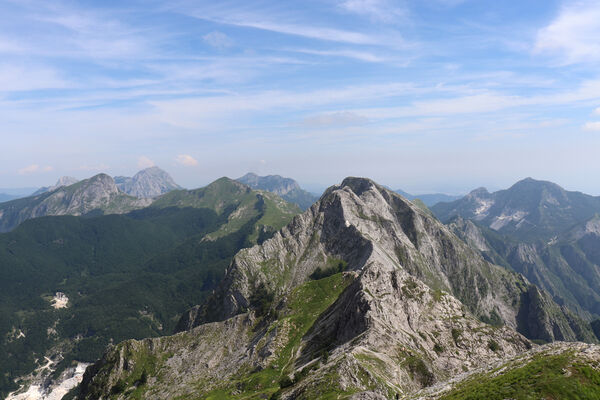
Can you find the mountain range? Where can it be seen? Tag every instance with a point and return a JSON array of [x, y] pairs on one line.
[[537, 228], [287, 188], [100, 194], [363, 296], [230, 292]]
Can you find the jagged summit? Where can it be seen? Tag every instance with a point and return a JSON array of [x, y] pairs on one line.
[[147, 183]]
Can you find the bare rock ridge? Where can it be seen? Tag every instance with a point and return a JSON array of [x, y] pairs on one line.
[[363, 293], [147, 183], [96, 194]]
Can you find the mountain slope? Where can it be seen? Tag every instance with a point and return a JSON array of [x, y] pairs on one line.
[[286, 188], [147, 183], [98, 195], [363, 292], [568, 266], [125, 276], [529, 210]]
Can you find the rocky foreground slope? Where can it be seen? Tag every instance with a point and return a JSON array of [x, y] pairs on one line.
[[363, 295]]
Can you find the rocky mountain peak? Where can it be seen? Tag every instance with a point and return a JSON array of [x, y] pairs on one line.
[[360, 185], [147, 183]]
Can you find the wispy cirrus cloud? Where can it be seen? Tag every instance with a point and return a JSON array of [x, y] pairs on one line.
[[345, 53], [289, 24], [378, 10]]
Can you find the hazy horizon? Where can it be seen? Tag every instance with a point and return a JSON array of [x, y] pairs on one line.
[[426, 96]]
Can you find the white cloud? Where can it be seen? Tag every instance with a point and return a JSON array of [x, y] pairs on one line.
[[592, 126], [357, 55], [574, 34], [145, 162], [217, 39], [187, 160], [380, 10], [597, 111], [33, 168]]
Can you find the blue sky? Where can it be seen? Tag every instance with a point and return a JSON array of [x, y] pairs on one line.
[[424, 95]]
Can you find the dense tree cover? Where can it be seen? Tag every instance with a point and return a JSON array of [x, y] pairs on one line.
[[126, 276]]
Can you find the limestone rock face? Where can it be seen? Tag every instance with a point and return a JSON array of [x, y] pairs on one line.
[[147, 183]]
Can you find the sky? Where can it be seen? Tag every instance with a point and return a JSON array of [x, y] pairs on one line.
[[423, 95]]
